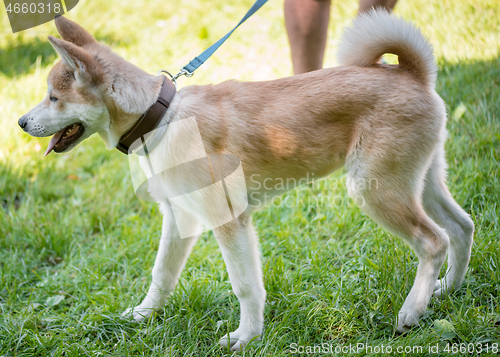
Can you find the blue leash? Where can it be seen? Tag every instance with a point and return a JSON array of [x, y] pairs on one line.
[[192, 66]]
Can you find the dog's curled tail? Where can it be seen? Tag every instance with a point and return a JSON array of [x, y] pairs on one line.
[[377, 32]]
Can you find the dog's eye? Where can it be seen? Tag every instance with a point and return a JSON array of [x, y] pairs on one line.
[[52, 98]]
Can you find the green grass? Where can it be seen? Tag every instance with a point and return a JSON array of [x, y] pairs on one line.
[[77, 247]]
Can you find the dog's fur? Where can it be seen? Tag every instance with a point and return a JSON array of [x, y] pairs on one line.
[[383, 123]]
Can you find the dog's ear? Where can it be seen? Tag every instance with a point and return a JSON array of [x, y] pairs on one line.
[[76, 59], [72, 32]]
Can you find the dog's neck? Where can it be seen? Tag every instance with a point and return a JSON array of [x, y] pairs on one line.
[[129, 94]]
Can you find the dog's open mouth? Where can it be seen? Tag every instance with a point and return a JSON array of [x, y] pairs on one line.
[[64, 138]]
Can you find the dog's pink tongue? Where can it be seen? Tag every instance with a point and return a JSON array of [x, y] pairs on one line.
[[53, 141]]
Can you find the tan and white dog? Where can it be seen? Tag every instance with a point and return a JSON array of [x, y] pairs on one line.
[[382, 122]]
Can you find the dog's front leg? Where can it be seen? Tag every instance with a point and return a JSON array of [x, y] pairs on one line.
[[239, 245], [172, 255]]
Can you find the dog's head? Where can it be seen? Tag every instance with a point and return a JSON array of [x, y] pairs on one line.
[[73, 108], [87, 92]]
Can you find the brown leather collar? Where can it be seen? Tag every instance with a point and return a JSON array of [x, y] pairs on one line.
[[151, 118]]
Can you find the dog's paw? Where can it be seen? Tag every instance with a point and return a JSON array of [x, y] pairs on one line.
[[406, 320], [237, 340], [138, 313], [440, 289], [444, 287]]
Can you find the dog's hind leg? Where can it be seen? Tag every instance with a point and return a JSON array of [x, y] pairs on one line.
[[172, 255], [395, 203], [239, 246], [442, 208]]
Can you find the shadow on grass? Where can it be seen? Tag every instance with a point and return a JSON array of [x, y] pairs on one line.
[[471, 91], [468, 80], [22, 55]]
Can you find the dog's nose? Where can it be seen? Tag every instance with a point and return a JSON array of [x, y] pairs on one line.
[[23, 122]]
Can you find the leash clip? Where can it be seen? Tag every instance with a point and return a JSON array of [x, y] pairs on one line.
[[183, 72]]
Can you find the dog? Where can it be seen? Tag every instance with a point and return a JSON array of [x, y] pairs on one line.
[[381, 122]]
